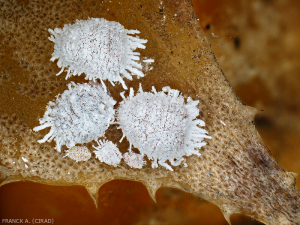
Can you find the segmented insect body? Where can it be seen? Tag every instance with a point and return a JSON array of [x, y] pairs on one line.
[[99, 48], [108, 153], [79, 115], [161, 125], [78, 153]]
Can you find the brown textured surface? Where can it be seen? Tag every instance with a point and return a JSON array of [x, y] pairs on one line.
[[257, 47], [235, 171]]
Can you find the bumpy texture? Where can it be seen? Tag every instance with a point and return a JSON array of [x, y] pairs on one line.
[[79, 115], [235, 170], [78, 153], [162, 126], [99, 48], [108, 153], [264, 73]]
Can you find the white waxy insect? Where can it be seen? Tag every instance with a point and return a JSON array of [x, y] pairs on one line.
[[134, 160], [79, 115], [78, 153], [108, 153], [99, 48], [161, 125]]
